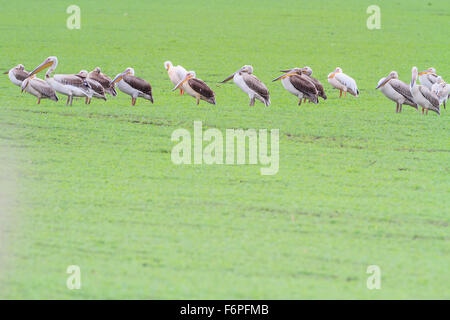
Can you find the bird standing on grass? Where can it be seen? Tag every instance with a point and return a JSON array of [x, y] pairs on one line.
[[176, 74], [96, 90], [251, 85], [299, 85], [133, 86], [196, 88], [422, 95], [343, 83], [38, 88], [397, 91]]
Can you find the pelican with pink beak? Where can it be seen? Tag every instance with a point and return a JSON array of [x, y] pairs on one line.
[[422, 95]]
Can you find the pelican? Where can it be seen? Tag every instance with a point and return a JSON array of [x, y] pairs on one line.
[[104, 80], [307, 71], [428, 77], [133, 86], [17, 74], [196, 88], [442, 90], [299, 85], [176, 74], [422, 95], [67, 84], [96, 90], [396, 90], [251, 85], [343, 82], [38, 88]]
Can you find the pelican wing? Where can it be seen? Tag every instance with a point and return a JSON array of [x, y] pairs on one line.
[[256, 85], [303, 84], [318, 85], [96, 86], [430, 96], [347, 81], [43, 88], [20, 74], [71, 79], [138, 84], [101, 78], [403, 89], [202, 88]]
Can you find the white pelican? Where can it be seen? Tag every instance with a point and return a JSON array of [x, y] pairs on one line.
[[251, 85], [396, 90], [133, 86], [96, 90], [38, 88], [104, 80], [343, 82], [442, 90], [428, 77], [17, 74], [176, 74], [196, 88], [422, 95], [299, 85], [67, 84]]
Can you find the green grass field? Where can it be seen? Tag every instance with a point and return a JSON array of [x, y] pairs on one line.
[[94, 186]]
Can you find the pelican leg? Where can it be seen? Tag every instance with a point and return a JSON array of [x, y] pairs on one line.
[[304, 100], [198, 100], [444, 105], [181, 92], [423, 109], [68, 99], [252, 102], [90, 100], [71, 100], [426, 112], [300, 102], [400, 107], [133, 101], [340, 93], [396, 107], [39, 101], [345, 94], [86, 100]]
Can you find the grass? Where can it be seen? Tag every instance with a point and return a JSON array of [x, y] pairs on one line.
[[358, 185]]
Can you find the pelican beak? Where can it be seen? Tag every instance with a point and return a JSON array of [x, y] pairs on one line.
[[42, 66], [424, 72], [229, 78], [284, 76], [186, 78], [332, 75], [118, 78], [384, 82], [285, 70]]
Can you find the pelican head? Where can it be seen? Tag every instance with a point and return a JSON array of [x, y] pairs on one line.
[[128, 72], [97, 70], [189, 75], [289, 73], [246, 69], [428, 71], [414, 74], [18, 67], [307, 70], [51, 62], [392, 75], [83, 74], [168, 65], [337, 70]]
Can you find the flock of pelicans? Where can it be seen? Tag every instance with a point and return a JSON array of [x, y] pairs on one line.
[[430, 95]]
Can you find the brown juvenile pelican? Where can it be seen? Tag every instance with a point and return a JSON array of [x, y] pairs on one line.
[[17, 74], [196, 88], [104, 80], [176, 74], [422, 95], [428, 77], [396, 90], [251, 85], [38, 88], [343, 82], [308, 72], [133, 86], [299, 85], [96, 90], [67, 84]]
